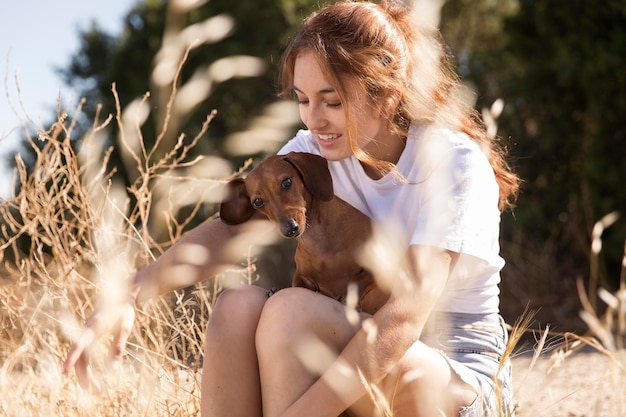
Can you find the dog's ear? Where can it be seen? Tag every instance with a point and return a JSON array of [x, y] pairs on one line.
[[235, 207], [315, 174]]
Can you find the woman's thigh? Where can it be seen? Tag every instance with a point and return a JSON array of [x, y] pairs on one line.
[[301, 333], [474, 345], [299, 336], [230, 377]]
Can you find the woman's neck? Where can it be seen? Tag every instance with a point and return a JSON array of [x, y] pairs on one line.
[[388, 148]]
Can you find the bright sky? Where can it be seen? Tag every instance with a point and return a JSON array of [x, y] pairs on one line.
[[37, 36]]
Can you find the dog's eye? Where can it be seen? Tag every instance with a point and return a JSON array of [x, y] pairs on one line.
[[286, 184], [257, 203]]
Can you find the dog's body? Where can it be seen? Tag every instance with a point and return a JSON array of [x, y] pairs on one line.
[[295, 191]]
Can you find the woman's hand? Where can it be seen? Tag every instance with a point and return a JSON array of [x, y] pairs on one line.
[[117, 320]]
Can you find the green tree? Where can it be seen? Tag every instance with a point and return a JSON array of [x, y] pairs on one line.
[[559, 69], [151, 41], [566, 87]]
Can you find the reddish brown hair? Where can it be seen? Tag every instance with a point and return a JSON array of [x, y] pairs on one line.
[[377, 51]]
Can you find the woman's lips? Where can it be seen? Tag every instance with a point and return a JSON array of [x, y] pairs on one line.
[[327, 139]]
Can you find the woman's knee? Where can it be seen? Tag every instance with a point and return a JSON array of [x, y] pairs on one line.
[[287, 310], [237, 309], [422, 382], [296, 314], [288, 330]]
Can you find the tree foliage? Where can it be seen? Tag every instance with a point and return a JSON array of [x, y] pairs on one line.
[[567, 89], [560, 70], [156, 31]]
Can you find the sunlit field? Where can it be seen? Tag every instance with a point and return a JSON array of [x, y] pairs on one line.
[[71, 239], [72, 236]]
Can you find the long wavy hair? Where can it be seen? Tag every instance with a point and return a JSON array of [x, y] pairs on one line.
[[378, 51]]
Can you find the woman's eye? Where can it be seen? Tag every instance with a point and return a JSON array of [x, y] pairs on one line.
[[257, 203], [334, 104], [286, 184]]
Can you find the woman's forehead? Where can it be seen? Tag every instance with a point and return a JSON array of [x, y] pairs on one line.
[[308, 75]]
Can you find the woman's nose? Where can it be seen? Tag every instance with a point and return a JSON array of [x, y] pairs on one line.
[[314, 117]]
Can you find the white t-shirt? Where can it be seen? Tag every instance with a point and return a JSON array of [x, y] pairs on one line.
[[449, 200]]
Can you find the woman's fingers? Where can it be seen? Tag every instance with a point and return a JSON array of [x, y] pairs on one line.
[[95, 327], [77, 350], [78, 359], [85, 376], [121, 334]]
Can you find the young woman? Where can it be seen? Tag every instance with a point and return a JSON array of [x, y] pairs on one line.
[[380, 104]]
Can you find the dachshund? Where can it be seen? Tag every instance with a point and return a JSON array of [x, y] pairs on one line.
[[295, 191]]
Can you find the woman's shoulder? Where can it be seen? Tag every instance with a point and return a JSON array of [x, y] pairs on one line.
[[440, 138], [435, 149], [437, 143]]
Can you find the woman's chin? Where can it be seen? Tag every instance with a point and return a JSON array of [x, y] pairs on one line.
[[335, 153]]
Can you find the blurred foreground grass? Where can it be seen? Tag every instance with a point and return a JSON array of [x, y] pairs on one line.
[[71, 238]]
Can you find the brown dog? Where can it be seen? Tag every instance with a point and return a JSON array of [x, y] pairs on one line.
[[296, 192]]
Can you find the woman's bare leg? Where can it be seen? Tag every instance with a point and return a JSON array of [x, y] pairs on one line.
[[297, 322], [230, 377], [422, 384]]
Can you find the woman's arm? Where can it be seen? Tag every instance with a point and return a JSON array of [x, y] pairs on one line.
[[399, 325], [202, 253]]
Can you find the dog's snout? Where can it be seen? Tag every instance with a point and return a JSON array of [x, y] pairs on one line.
[[290, 228]]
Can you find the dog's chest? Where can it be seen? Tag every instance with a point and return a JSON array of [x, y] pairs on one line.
[[324, 250]]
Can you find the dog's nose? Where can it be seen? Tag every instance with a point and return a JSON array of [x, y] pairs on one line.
[[290, 228]]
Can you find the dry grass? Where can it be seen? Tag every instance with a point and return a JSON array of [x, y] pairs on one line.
[[70, 239], [579, 375]]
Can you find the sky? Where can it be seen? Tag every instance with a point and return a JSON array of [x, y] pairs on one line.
[[37, 36]]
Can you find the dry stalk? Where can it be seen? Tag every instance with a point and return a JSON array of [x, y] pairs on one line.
[[606, 334], [70, 237]]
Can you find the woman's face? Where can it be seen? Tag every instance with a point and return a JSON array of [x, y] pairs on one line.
[[322, 112]]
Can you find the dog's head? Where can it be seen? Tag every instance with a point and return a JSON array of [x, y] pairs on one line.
[[281, 187]]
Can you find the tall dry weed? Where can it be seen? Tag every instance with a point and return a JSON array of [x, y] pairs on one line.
[[598, 355], [70, 239]]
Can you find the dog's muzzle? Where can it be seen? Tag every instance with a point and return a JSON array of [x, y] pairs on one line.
[[290, 228]]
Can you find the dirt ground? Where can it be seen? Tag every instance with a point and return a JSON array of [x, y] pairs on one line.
[[583, 384]]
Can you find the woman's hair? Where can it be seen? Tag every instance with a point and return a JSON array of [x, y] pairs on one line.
[[378, 51]]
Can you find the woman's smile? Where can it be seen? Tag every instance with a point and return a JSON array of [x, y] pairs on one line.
[[326, 139]]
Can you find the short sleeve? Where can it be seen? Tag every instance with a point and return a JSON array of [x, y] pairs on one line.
[[459, 204]]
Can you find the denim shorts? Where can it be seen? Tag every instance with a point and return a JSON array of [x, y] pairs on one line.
[[473, 345]]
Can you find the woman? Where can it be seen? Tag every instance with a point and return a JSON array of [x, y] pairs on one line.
[[381, 106]]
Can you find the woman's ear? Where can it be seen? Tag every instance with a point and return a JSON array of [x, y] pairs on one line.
[[235, 207]]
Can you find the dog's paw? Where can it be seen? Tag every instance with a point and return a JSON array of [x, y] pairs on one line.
[[273, 291]]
